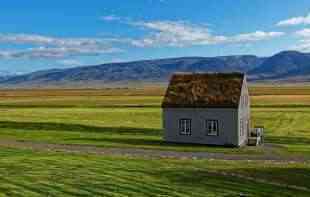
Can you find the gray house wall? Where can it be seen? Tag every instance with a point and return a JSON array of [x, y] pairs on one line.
[[227, 119], [244, 115]]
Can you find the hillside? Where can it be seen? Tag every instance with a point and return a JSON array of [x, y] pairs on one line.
[[284, 66]]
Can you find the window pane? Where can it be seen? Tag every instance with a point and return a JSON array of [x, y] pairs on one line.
[[212, 127], [185, 126]]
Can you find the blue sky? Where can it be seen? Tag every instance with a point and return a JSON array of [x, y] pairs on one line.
[[36, 34]]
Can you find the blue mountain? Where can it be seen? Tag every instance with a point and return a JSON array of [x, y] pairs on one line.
[[284, 66]]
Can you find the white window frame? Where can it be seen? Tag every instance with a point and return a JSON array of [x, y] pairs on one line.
[[185, 126], [212, 127]]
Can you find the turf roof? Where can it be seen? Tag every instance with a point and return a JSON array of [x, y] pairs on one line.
[[196, 90]]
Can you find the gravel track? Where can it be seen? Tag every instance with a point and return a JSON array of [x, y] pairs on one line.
[[89, 149]]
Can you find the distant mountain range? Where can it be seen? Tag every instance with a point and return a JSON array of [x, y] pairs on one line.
[[286, 66], [4, 75]]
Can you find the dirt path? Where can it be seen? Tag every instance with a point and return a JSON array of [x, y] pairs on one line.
[[88, 149]]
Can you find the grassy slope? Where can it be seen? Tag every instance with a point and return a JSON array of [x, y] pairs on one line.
[[28, 173]]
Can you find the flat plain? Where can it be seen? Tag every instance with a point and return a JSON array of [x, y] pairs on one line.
[[131, 119]]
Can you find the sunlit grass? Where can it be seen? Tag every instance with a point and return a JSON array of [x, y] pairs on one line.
[[134, 120], [27, 173]]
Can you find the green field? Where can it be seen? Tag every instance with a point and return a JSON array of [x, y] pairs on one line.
[[131, 118], [26, 173], [134, 120]]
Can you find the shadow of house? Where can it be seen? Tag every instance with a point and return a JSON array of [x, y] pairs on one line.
[[35, 126]]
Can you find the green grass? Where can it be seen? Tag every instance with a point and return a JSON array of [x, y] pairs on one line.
[[134, 121], [288, 127], [141, 128], [105, 127], [26, 173], [81, 101]]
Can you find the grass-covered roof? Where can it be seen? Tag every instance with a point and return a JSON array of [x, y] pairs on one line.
[[203, 90]]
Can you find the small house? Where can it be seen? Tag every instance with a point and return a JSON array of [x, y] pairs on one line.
[[207, 108]]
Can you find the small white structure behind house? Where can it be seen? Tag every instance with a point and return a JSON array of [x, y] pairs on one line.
[[207, 108], [256, 136]]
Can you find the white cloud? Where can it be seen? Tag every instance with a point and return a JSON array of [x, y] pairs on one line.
[[54, 53], [256, 36], [301, 20], [25, 39], [110, 18], [304, 33], [5, 54], [304, 40], [175, 34], [52, 47], [34, 39], [180, 34], [157, 1], [302, 45], [70, 62], [159, 34]]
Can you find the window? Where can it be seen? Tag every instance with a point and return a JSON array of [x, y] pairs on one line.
[[212, 127], [185, 126]]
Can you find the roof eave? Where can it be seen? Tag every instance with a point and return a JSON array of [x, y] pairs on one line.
[[203, 107]]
